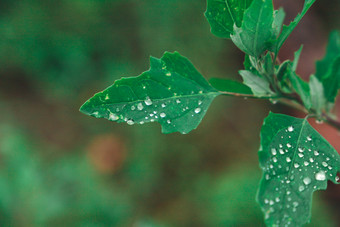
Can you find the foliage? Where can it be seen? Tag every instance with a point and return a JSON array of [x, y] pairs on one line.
[[295, 159]]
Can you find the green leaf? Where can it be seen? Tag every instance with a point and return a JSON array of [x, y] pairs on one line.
[[297, 55], [328, 69], [258, 84], [279, 16], [268, 65], [223, 14], [257, 28], [333, 51], [172, 93], [296, 161], [332, 81], [230, 86], [287, 30], [300, 86], [317, 96]]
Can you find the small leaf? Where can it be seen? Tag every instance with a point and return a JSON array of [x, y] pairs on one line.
[[333, 51], [230, 86], [332, 81], [300, 86], [259, 85], [317, 96], [279, 16], [297, 55], [287, 30], [172, 93], [223, 14], [268, 65], [257, 28], [296, 161], [328, 69]]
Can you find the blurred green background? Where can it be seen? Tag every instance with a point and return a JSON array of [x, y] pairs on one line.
[[59, 167]]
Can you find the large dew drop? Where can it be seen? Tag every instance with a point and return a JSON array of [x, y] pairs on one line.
[[148, 101], [197, 110], [307, 181], [320, 176], [140, 106]]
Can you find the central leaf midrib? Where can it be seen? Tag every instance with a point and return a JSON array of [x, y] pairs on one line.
[[172, 97], [257, 28], [294, 156]]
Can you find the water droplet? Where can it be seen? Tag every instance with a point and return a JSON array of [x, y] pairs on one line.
[[133, 107], [296, 165], [163, 105], [168, 74], [295, 204], [300, 155], [289, 145], [320, 176], [307, 181], [107, 97], [311, 160], [281, 151], [337, 178], [280, 145], [197, 110], [148, 101], [318, 121], [162, 115], [274, 151], [306, 163], [140, 106], [309, 138], [130, 122], [288, 159], [178, 101], [300, 149], [301, 188], [168, 121], [200, 102], [290, 128], [113, 117], [274, 159], [142, 122], [277, 199], [324, 164], [316, 153]]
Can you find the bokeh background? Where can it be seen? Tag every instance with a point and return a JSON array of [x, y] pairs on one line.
[[59, 167]]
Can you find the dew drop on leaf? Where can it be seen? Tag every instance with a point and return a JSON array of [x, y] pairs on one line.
[[140, 106], [130, 122], [148, 101], [113, 117], [307, 180], [197, 110], [320, 176]]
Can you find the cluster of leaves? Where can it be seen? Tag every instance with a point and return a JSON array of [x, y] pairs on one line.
[[296, 160]]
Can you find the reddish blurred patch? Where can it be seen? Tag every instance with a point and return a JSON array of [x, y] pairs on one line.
[[107, 153]]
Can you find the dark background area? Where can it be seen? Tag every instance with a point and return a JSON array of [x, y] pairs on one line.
[[59, 167]]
